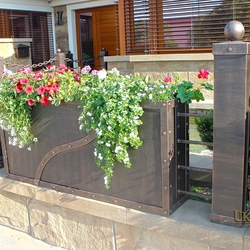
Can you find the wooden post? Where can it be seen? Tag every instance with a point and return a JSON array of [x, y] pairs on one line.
[[231, 103], [60, 58]]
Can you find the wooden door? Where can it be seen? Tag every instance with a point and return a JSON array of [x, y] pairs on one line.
[[97, 28]]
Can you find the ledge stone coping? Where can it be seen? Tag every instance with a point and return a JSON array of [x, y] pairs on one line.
[[157, 58], [191, 221]]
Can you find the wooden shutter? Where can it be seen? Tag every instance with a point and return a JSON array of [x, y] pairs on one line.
[[157, 26]]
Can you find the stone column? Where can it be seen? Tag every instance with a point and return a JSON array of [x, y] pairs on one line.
[[231, 103], [60, 58]]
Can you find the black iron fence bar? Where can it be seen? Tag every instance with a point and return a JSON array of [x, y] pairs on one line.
[[205, 196], [198, 169], [195, 115], [195, 142]]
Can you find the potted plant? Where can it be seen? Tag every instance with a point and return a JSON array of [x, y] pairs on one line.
[[110, 105]]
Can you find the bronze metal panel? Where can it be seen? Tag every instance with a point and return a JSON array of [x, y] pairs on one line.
[[64, 159]]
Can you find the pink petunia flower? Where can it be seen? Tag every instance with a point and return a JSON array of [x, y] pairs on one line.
[[94, 72], [85, 69], [40, 90], [31, 102], [28, 89], [24, 81]]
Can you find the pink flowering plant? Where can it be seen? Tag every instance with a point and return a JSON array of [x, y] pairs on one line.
[[110, 104]]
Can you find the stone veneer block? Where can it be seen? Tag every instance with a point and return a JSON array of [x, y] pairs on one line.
[[13, 211], [145, 66], [247, 239], [128, 237], [69, 229]]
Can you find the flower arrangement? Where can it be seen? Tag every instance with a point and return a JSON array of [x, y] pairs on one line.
[[109, 103]]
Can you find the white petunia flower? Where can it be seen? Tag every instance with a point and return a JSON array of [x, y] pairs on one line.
[[102, 74]]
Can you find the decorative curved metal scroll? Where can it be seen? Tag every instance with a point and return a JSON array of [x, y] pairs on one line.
[[61, 149]]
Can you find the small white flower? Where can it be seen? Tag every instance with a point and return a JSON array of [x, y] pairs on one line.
[[132, 134], [126, 160], [35, 140], [150, 96], [100, 156], [107, 144], [109, 128], [102, 74], [25, 128], [118, 149], [13, 132], [89, 114], [29, 148], [114, 71], [105, 180], [95, 152]]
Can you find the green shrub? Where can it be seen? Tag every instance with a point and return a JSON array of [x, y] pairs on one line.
[[205, 128]]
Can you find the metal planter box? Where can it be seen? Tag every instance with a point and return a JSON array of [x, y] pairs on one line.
[[64, 160]]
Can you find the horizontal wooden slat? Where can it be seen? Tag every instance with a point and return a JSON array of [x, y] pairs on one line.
[[196, 24]]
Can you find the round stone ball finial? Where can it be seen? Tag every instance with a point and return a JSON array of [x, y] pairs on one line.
[[58, 50], [234, 30]]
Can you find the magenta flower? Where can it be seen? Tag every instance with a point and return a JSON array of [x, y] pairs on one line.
[[203, 73], [167, 79], [31, 102]]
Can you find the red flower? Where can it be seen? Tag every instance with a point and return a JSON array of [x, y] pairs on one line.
[[77, 78], [167, 79], [203, 73], [24, 81], [45, 100], [29, 89], [31, 102], [40, 90], [19, 87]]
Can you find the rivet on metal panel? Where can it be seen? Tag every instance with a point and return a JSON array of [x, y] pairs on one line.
[[93, 196], [164, 104], [115, 201], [53, 187], [86, 139], [169, 104], [170, 185], [164, 133], [169, 132], [178, 152], [171, 211], [230, 49], [178, 126], [164, 160], [166, 212], [166, 187], [139, 206], [187, 124], [179, 177], [69, 146], [225, 221], [53, 152], [42, 164]]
